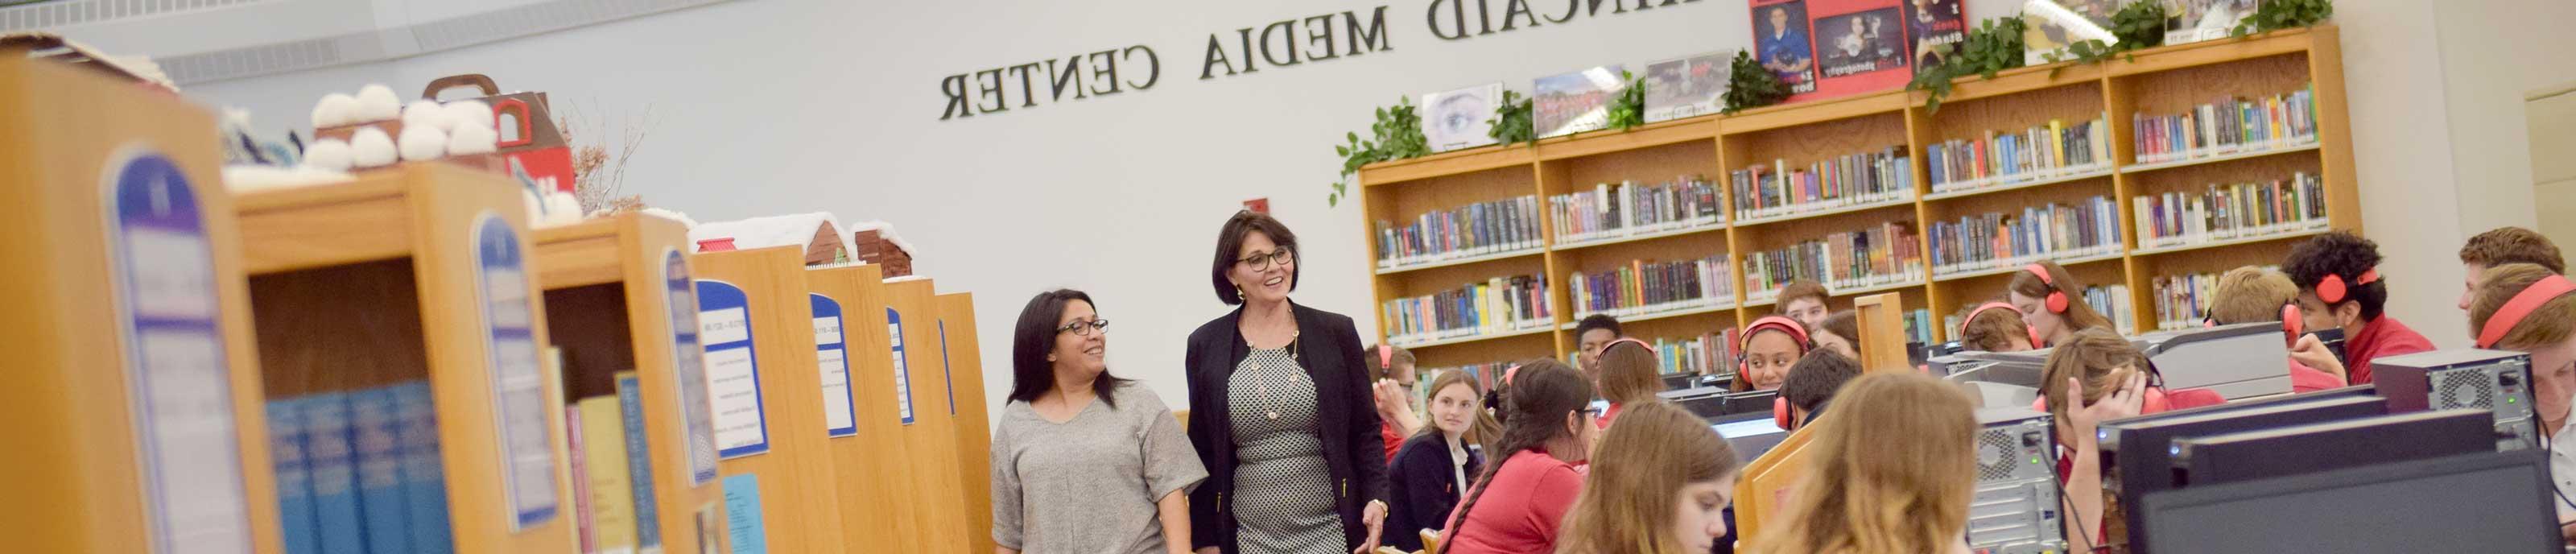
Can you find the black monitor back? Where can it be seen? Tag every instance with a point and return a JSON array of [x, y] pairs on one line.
[[2483, 502], [2251, 455], [2137, 455]]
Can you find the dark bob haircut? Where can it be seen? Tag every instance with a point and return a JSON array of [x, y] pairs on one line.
[[1031, 375], [1229, 249]]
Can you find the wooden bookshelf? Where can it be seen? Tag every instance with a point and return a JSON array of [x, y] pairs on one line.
[[875, 454], [931, 436], [611, 307], [965, 368], [81, 466], [2155, 81], [790, 472]]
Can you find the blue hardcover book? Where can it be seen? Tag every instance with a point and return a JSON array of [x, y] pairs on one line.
[[328, 450], [294, 477], [424, 475], [372, 430], [639, 464]]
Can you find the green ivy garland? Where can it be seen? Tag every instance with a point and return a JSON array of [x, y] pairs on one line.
[[1995, 45], [1749, 85], [2285, 14], [1628, 110], [1396, 135], [1511, 123]]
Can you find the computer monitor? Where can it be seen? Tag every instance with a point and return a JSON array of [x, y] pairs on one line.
[[1752, 401], [2136, 452], [2482, 502], [2235, 361], [1678, 381], [1705, 402], [2011, 368], [1750, 435], [2250, 455]]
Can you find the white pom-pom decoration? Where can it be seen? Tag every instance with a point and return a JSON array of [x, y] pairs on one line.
[[469, 139], [536, 205], [424, 113], [334, 110], [327, 154], [469, 113], [561, 208], [377, 103], [371, 147], [423, 143]]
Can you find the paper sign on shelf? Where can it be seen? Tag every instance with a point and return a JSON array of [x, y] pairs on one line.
[[833, 356], [697, 430], [518, 383], [742, 514], [180, 386], [733, 373], [902, 370]]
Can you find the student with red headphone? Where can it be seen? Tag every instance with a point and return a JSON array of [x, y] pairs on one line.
[[2339, 287], [2252, 294], [2045, 294], [2527, 308], [1765, 351], [1997, 327], [2091, 377]]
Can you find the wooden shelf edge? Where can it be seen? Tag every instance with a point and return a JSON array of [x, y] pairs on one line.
[[1454, 341], [2167, 58], [1644, 136], [1477, 259], [2019, 80], [1817, 111], [2269, 237], [1484, 158]]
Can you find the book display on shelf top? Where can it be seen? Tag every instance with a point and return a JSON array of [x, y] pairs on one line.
[[2269, 163]]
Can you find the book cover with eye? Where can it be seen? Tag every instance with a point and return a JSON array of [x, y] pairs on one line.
[[1574, 102], [1686, 87], [1459, 119]]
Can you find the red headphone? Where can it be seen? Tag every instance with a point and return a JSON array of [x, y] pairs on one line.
[[2523, 303], [1780, 413], [2056, 302], [2153, 402], [2293, 321], [1385, 357], [2333, 290], [1649, 347], [1981, 310]]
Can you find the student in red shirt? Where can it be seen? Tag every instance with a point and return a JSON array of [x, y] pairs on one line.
[[1628, 376], [2093, 377], [2252, 294], [1518, 503], [2339, 287]]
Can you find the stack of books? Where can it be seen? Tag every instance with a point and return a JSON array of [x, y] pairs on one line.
[[1883, 255], [1780, 190], [2055, 231], [1473, 230], [359, 471], [1497, 306], [2227, 126], [1647, 287], [2182, 301], [1608, 211], [612, 471], [2112, 301], [1999, 160], [2241, 210]]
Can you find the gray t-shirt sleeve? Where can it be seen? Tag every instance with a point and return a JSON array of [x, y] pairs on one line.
[[1170, 463], [1006, 489]]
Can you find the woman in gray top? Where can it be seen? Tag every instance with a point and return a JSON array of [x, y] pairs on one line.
[[1085, 462]]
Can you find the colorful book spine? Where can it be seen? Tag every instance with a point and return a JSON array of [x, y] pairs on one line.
[[1608, 210], [2182, 301], [2227, 125], [294, 477], [2221, 212], [335, 473], [423, 472], [2057, 148], [1999, 240], [2114, 302], [612, 487], [1473, 230], [374, 428], [584, 515], [1884, 254], [639, 464], [1644, 287], [1778, 190], [1498, 305]]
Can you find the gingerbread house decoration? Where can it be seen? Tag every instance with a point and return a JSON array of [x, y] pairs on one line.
[[819, 233], [876, 243]]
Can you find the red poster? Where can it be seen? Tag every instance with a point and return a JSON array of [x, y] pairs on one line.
[[1860, 46]]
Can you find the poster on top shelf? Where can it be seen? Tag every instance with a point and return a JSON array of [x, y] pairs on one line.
[[2050, 26], [1931, 24], [1780, 43], [1860, 46], [1458, 118], [2188, 21], [1686, 87], [1574, 102]]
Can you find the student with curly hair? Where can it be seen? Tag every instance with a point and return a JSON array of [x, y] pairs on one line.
[[2339, 287]]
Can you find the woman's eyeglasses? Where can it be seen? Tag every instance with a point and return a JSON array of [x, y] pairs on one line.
[[1084, 328], [1259, 261]]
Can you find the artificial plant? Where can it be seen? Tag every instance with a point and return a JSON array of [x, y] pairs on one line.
[[2276, 15], [1749, 85], [1628, 110], [1995, 45], [1396, 135], [1511, 123]]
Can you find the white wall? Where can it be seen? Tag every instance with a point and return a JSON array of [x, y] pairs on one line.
[[787, 105]]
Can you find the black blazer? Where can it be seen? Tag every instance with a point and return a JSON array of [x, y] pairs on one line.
[[1329, 346], [1421, 488]]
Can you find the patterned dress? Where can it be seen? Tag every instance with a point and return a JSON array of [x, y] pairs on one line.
[[1283, 490]]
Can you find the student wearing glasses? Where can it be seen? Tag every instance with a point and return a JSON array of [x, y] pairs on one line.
[[1084, 461], [1281, 411]]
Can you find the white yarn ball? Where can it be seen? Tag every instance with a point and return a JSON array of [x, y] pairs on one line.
[[377, 103], [561, 208], [423, 143], [424, 114], [469, 139], [371, 147], [334, 110], [469, 113], [327, 154]]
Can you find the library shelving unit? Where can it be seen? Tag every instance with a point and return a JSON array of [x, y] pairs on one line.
[[873, 444], [2154, 82], [964, 362], [136, 390], [612, 307], [421, 272], [929, 428], [755, 319]]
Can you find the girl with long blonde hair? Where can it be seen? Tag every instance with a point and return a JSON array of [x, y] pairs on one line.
[[1895, 469], [1659, 484]]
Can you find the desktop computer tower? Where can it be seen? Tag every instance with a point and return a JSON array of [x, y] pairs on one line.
[[2016, 510], [2494, 381]]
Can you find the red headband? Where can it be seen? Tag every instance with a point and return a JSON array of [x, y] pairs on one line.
[[1791, 326], [1650, 349], [1981, 310], [2521, 306]]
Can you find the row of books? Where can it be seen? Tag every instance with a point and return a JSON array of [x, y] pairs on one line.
[[1499, 305], [2114, 302], [1779, 190], [1644, 287], [1997, 240], [358, 472], [1918, 325], [2039, 152], [1882, 255], [2228, 125], [2182, 301], [1472, 230], [612, 472], [2222, 212], [1629, 208]]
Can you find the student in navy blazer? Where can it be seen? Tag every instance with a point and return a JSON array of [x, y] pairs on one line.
[[1435, 466]]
